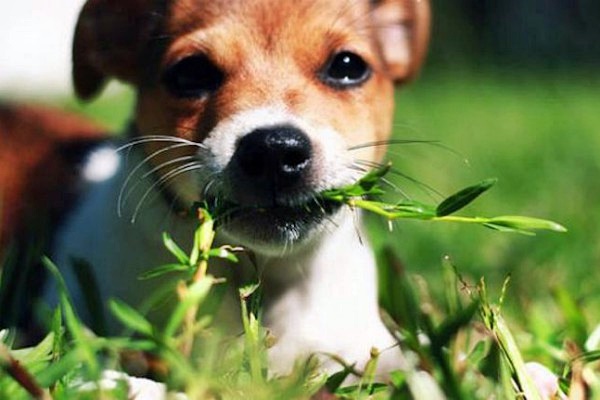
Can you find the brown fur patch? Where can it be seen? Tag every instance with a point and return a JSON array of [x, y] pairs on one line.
[[37, 176]]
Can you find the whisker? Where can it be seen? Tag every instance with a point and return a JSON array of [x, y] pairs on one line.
[[315, 199], [357, 224], [158, 138], [391, 142], [211, 181], [332, 222], [389, 183], [131, 174], [167, 163], [152, 171], [167, 177], [427, 189], [358, 168], [396, 188]]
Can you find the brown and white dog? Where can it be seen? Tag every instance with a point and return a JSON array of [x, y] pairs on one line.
[[256, 104]]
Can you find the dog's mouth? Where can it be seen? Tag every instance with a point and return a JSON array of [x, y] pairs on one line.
[[272, 225]]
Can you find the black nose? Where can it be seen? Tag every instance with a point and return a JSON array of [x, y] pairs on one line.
[[275, 157]]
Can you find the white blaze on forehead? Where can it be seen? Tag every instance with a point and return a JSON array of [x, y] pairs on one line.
[[101, 165], [330, 149]]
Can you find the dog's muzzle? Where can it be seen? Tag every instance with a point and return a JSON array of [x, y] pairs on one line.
[[270, 191]]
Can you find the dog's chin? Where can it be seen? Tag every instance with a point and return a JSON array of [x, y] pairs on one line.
[[278, 230]]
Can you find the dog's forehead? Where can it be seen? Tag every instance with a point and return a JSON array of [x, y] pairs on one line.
[[267, 18]]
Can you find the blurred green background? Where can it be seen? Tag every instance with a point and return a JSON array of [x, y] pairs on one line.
[[513, 88]]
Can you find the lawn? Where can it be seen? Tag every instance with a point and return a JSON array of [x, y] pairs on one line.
[[539, 135]]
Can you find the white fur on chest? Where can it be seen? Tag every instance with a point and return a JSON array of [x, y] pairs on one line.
[[333, 309], [327, 294]]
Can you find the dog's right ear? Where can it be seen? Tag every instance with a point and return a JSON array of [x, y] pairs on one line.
[[109, 38], [402, 31]]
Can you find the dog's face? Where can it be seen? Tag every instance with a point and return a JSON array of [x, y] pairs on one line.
[[274, 93]]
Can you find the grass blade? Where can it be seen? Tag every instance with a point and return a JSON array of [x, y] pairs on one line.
[[464, 197], [59, 369], [196, 293], [130, 317], [494, 321], [40, 353], [74, 326], [450, 327], [163, 270], [86, 280], [520, 223], [175, 249]]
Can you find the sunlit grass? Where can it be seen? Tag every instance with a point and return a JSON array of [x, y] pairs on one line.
[[447, 354], [540, 137]]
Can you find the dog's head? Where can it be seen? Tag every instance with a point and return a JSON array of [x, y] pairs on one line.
[[273, 93]]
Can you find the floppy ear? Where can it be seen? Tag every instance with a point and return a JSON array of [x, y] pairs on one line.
[[109, 38], [402, 30]]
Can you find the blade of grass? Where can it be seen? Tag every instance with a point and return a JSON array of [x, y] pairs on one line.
[[494, 321], [464, 197], [175, 250], [74, 326], [194, 296], [131, 318], [163, 270], [354, 196], [86, 280]]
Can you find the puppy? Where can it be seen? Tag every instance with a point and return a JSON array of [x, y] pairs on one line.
[[255, 104]]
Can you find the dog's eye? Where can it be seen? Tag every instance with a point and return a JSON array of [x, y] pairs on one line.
[[194, 76], [346, 70]]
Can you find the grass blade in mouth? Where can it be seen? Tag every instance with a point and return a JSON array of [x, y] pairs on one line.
[[463, 198], [357, 195]]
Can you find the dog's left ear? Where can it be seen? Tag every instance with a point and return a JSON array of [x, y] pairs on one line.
[[109, 39], [402, 30]]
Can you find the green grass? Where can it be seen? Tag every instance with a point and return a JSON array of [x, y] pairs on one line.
[[540, 137], [445, 350]]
